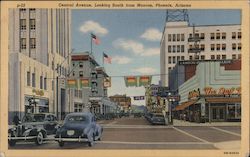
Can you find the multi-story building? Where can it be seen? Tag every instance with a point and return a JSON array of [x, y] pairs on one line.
[[92, 97], [39, 45], [216, 42], [123, 101]]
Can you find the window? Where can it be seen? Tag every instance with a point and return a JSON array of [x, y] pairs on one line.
[[174, 60], [196, 57], [80, 73], [217, 35], [182, 58], [223, 35], [224, 57], [22, 9], [23, 43], [190, 35], [223, 47], [174, 48], [239, 35], [233, 46], [23, 24], [80, 94], [190, 47], [169, 68], [28, 78], [233, 35], [45, 83], [202, 36], [239, 56], [212, 57], [202, 47], [182, 37], [217, 47], [80, 64], [41, 82], [76, 93], [32, 24], [178, 37], [203, 57], [217, 56], [169, 60], [32, 10], [52, 65], [52, 85], [212, 47], [32, 43], [178, 48], [190, 57], [212, 36], [178, 59], [73, 73], [33, 80], [169, 49], [174, 37], [196, 35], [182, 48], [234, 56], [239, 46], [169, 37]]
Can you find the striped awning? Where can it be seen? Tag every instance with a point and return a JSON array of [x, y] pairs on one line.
[[184, 105]]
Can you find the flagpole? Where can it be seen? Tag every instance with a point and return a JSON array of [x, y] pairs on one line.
[[103, 59], [91, 43]]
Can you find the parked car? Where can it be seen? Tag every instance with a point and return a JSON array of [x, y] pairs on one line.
[[33, 127], [79, 127], [157, 119]]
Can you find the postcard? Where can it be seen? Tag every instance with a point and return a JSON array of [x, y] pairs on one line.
[[125, 78]]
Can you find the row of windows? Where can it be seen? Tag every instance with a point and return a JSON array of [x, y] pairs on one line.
[[176, 48], [23, 24], [175, 59], [23, 43], [78, 107], [78, 93], [80, 64], [31, 81], [217, 35], [31, 9], [201, 47], [176, 37]]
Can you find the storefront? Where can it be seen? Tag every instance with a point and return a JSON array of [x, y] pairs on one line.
[[36, 104]]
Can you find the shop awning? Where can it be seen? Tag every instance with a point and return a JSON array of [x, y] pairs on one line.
[[184, 105], [223, 100]]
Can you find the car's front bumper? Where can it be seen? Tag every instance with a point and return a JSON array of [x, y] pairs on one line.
[[22, 138], [79, 139]]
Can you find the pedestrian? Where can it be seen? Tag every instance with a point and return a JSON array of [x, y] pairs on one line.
[[16, 119]]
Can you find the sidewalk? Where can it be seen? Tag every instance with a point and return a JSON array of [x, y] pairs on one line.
[[187, 123]]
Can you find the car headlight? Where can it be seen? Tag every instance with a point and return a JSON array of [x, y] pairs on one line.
[[28, 127]]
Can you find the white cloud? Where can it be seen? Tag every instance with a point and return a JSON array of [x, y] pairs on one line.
[[145, 70], [129, 45], [151, 52], [92, 26], [135, 47], [121, 59], [152, 34]]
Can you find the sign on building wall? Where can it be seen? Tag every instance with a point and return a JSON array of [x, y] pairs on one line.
[[107, 82]]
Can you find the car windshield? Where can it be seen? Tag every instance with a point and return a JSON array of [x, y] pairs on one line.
[[77, 119], [34, 118], [158, 116]]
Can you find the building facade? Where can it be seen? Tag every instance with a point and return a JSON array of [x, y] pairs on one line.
[[215, 42], [123, 101], [39, 47], [213, 93]]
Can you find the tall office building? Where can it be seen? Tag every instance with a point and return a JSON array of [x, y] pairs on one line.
[[39, 46], [214, 42]]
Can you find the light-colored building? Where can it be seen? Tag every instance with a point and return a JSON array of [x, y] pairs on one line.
[[213, 93], [39, 46], [123, 101], [215, 42]]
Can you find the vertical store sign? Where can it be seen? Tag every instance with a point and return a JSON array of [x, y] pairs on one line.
[[107, 82]]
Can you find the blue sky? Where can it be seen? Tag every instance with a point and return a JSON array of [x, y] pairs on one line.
[[132, 39]]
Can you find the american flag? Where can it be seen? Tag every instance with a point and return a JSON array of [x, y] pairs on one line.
[[106, 58], [95, 39]]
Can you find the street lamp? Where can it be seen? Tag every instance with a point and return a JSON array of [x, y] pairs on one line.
[[170, 100]]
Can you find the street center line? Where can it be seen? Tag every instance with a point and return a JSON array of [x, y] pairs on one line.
[[226, 131], [205, 141]]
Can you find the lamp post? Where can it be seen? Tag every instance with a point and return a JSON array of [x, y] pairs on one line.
[[170, 100]]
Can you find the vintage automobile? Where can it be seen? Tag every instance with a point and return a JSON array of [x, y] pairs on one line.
[[157, 118], [79, 127], [33, 127]]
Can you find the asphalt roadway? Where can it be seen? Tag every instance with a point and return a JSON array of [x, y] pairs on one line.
[[137, 133]]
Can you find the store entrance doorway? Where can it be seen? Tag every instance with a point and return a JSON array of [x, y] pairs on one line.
[[218, 113]]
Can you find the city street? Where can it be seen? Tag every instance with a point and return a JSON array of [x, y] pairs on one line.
[[137, 133]]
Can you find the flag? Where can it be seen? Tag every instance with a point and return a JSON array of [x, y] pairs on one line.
[[72, 83], [145, 80], [95, 39], [106, 58], [84, 82], [130, 81]]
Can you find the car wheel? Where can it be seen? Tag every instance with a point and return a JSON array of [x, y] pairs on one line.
[[39, 138], [91, 141], [12, 142], [61, 144]]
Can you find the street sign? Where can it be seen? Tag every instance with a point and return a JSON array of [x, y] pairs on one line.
[[139, 97]]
